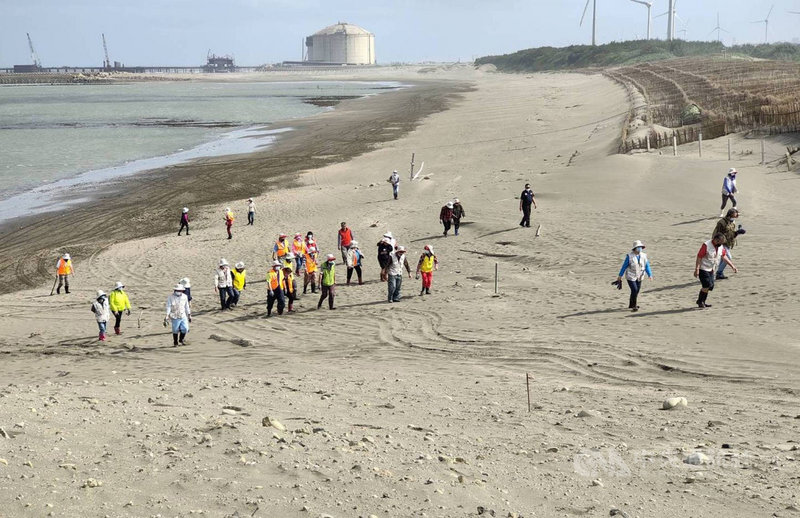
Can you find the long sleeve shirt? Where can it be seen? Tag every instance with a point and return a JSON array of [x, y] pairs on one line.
[[178, 306], [627, 263]]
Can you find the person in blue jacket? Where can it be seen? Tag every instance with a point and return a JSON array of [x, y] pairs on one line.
[[634, 268]]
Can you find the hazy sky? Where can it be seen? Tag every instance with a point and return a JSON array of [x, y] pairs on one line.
[[180, 32]]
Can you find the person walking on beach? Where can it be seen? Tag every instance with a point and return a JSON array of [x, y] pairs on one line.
[[239, 282], [229, 221], [187, 288], [119, 302], [251, 211], [708, 259], [223, 284], [526, 199], [458, 213], [310, 269], [634, 268], [728, 190], [179, 314], [354, 257], [446, 217], [275, 288], [281, 248], [394, 179], [101, 313], [395, 281], [727, 227], [327, 279], [184, 221], [385, 250], [425, 267], [299, 251], [345, 240], [289, 287], [64, 269]]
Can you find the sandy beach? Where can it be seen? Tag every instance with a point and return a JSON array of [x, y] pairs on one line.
[[419, 408]]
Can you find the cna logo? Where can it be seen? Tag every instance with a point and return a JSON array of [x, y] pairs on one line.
[[594, 463]]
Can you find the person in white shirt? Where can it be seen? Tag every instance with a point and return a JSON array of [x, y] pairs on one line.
[[634, 268], [395, 181], [395, 281], [179, 313], [708, 259], [223, 284], [251, 211], [728, 191], [101, 313]]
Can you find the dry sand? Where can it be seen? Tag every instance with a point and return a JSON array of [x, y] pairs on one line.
[[419, 408]]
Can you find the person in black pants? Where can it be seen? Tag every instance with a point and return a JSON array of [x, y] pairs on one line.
[[184, 221], [526, 199]]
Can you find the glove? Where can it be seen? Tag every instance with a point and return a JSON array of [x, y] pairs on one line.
[[618, 284], [128, 312], [740, 231], [190, 320], [165, 321]]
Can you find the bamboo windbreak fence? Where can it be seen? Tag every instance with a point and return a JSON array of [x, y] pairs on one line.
[[733, 94]]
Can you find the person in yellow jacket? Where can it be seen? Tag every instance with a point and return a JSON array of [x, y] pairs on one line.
[[118, 302], [327, 280], [289, 286], [239, 278], [310, 269], [229, 221], [281, 248], [64, 271], [275, 288], [426, 265]]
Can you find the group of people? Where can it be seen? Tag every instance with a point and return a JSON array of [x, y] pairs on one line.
[[228, 217], [710, 262]]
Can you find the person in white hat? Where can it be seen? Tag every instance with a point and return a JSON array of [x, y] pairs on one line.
[[354, 260], [385, 250], [223, 284], [229, 221], [728, 190], [101, 313], [395, 280], [275, 288], [711, 253], [238, 282], [118, 302], [425, 267], [64, 269], [446, 217], [458, 213], [634, 268], [394, 179], [187, 288], [251, 211], [179, 314], [327, 280], [184, 221]]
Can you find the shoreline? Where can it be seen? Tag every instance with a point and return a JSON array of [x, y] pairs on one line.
[[144, 205]]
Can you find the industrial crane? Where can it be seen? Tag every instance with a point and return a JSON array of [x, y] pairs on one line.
[[106, 63], [34, 57]]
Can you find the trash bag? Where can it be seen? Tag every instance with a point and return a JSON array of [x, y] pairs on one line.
[[691, 114]]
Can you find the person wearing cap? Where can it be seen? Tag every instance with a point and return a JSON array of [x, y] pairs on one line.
[[395, 280], [708, 259], [385, 249], [727, 227], [223, 284], [354, 257], [187, 288], [251, 211], [184, 221], [394, 179], [118, 302], [345, 239], [239, 282], [728, 190], [425, 267], [179, 314], [458, 213], [634, 268], [275, 288], [64, 269], [446, 217], [299, 251], [526, 199], [101, 313], [327, 280], [289, 286], [281, 248], [310, 264], [229, 221]]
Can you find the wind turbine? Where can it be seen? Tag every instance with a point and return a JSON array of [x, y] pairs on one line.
[[685, 29], [670, 14], [718, 29], [765, 21], [649, 6], [594, 19]]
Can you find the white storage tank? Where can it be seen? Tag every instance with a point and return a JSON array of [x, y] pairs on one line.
[[342, 43]]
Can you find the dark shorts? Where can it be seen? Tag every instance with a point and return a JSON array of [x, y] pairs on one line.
[[707, 279]]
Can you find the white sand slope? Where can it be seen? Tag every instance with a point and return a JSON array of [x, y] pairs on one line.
[[419, 408]]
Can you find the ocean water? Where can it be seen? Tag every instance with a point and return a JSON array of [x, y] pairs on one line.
[[52, 137]]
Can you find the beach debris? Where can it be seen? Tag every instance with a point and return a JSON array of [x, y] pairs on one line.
[[618, 512], [597, 483], [274, 423], [4, 434], [697, 459], [91, 482], [586, 413], [674, 403], [4, 462]]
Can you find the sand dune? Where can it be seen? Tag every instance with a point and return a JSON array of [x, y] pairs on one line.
[[419, 408]]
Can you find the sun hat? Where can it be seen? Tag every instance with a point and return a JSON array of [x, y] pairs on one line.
[[331, 258], [100, 293], [732, 170], [227, 209], [289, 256], [429, 248], [281, 235], [118, 285], [354, 243], [239, 265], [298, 234], [455, 200], [223, 262], [637, 243], [401, 249], [185, 210], [388, 234], [394, 171], [66, 257], [449, 204], [249, 199], [178, 287], [276, 263]]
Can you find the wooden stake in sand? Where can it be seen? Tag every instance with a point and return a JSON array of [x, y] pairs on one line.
[[412, 166], [674, 145], [648, 143], [538, 230], [528, 388], [729, 150], [763, 151], [700, 143], [54, 286], [139, 320], [496, 271], [788, 161]]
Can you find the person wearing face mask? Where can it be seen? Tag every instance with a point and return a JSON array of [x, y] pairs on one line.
[[223, 284], [179, 313], [727, 227], [101, 313], [728, 190], [425, 267], [708, 258], [327, 279], [634, 268]]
